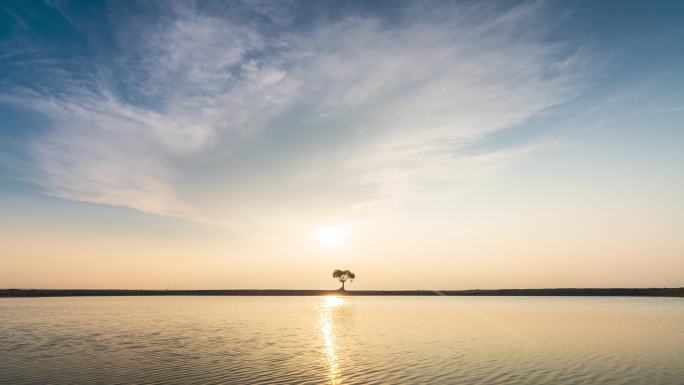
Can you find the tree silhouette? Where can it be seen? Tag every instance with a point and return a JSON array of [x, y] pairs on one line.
[[343, 276]]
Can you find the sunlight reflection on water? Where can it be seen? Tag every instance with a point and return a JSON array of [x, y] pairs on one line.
[[341, 340], [329, 305]]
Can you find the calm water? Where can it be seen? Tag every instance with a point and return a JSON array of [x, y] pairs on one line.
[[318, 340]]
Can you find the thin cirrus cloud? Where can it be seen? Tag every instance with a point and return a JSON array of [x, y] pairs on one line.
[[384, 106]]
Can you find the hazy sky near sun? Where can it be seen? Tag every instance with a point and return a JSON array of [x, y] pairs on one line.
[[433, 145]]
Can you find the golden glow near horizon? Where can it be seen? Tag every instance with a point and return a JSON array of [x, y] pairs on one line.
[[268, 160], [333, 301]]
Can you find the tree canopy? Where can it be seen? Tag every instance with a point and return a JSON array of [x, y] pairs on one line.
[[343, 276]]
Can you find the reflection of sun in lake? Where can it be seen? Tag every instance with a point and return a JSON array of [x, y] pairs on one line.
[[328, 306], [333, 301]]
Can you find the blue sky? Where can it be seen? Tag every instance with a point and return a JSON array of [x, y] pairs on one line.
[[254, 123]]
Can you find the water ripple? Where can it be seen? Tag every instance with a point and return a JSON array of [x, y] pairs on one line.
[[313, 340]]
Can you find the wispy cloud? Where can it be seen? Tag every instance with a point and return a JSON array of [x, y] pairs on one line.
[[385, 104]]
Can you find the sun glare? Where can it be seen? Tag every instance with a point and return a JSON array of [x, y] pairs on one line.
[[333, 301], [332, 237]]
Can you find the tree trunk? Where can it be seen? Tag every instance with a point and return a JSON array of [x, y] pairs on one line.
[[342, 288]]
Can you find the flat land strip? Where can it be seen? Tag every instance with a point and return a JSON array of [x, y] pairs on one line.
[[616, 292]]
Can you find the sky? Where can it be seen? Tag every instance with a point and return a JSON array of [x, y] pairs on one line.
[[422, 144]]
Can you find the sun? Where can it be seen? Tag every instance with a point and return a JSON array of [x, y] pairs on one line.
[[332, 237]]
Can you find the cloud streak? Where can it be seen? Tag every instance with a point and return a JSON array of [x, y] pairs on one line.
[[383, 105]]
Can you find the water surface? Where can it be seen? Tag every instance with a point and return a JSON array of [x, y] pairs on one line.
[[359, 340]]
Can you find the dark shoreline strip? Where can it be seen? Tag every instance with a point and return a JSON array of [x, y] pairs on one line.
[[618, 292]]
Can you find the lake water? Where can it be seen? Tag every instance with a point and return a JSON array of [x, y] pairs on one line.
[[328, 340]]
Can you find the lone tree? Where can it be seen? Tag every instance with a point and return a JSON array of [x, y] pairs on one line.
[[343, 276]]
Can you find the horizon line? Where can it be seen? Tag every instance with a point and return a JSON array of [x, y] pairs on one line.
[[625, 292]]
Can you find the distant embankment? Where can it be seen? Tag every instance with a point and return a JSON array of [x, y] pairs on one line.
[[622, 292]]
